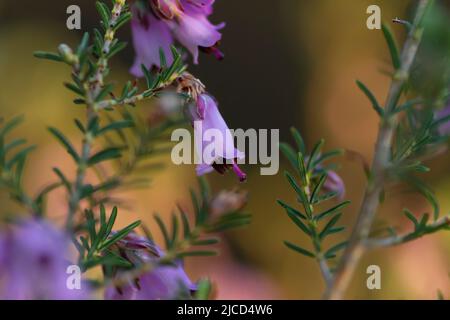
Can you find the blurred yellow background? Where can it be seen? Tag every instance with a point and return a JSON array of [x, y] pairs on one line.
[[289, 62]]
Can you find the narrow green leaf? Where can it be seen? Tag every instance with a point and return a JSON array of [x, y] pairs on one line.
[[10, 125], [299, 223], [162, 59], [335, 249], [48, 56], [63, 178], [314, 154], [332, 210], [104, 155], [104, 12], [164, 231], [411, 217], [119, 235], [197, 254], [83, 44], [186, 227], [298, 140], [65, 143], [106, 90], [111, 222], [294, 184], [123, 124], [299, 249], [124, 18], [174, 229], [19, 156], [318, 188], [74, 88], [290, 154], [80, 125], [206, 242], [392, 45], [375, 105], [329, 226], [291, 210]]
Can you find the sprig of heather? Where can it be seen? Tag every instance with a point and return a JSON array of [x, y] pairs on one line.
[[411, 131], [128, 138], [314, 184], [89, 65]]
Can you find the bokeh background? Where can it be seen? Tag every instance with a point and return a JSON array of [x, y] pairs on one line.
[[288, 62]]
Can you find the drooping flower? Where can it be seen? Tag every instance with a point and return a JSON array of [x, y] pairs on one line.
[[157, 25], [33, 263], [160, 282], [214, 142]]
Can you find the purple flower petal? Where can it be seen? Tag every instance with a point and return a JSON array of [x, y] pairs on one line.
[[334, 183], [444, 128], [149, 36], [196, 31]]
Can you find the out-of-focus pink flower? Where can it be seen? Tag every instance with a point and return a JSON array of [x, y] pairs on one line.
[[334, 183], [228, 201], [33, 263], [162, 282], [157, 26], [214, 141], [444, 128]]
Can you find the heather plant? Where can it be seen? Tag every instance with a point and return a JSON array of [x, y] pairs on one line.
[[118, 144], [413, 128]]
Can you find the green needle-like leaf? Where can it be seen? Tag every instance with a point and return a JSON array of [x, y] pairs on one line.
[[299, 249]]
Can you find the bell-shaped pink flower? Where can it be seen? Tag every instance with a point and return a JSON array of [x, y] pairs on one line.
[[213, 139]]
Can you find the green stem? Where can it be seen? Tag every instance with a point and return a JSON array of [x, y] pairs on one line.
[[438, 225]]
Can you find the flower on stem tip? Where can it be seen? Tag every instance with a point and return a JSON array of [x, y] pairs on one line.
[[157, 25], [204, 114], [224, 156], [159, 282]]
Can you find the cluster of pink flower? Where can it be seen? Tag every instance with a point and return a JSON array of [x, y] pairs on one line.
[[33, 261], [156, 25]]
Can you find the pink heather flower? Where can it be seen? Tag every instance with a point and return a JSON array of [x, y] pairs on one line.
[[149, 35], [444, 128], [164, 282], [208, 120], [228, 201], [334, 183], [33, 264], [157, 26]]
